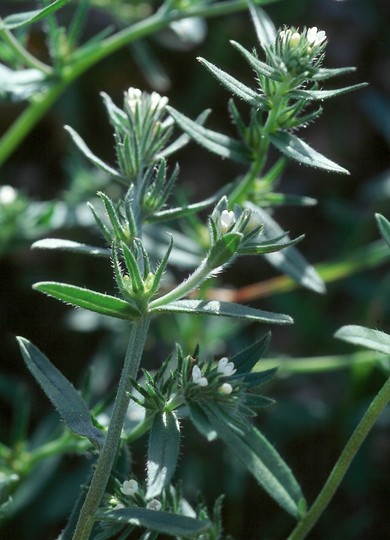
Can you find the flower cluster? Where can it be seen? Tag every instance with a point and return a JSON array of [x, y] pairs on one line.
[[224, 369]]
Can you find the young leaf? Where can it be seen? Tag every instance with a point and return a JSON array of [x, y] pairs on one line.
[[260, 67], [367, 337], [69, 245], [215, 142], [234, 86], [294, 148], [245, 360], [327, 73], [163, 452], [62, 394], [384, 227], [223, 309], [261, 459], [28, 17], [265, 29], [87, 299], [163, 522]]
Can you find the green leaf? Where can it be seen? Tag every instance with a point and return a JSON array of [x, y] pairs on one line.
[[245, 360], [28, 17], [324, 94], [222, 145], [234, 86], [326, 73], [163, 522], [224, 249], [384, 227], [68, 402], [87, 299], [223, 309], [260, 67], [261, 459], [91, 156], [265, 28], [289, 261], [367, 337], [200, 421], [254, 401], [69, 245], [163, 452], [269, 246], [294, 148]]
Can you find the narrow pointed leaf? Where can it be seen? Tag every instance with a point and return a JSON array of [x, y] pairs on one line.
[[254, 401], [327, 73], [325, 94], [246, 359], [295, 148], [384, 227], [220, 144], [367, 337], [69, 245], [163, 452], [265, 28], [259, 66], [233, 85], [201, 422], [289, 261], [17, 85], [260, 248], [261, 459], [61, 392], [87, 299], [223, 309], [91, 156], [28, 17], [162, 522]]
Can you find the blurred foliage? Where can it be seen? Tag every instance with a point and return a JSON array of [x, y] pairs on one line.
[[52, 184]]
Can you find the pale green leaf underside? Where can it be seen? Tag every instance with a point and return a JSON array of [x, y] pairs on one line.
[[384, 227], [325, 94], [69, 245], [104, 304], [295, 148], [62, 394], [223, 309], [17, 20], [163, 522], [366, 337]]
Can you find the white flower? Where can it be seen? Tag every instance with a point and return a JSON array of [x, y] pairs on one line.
[[119, 506], [154, 504], [133, 96], [129, 487], [157, 103], [225, 367], [226, 388], [227, 219], [7, 195], [315, 36], [198, 378]]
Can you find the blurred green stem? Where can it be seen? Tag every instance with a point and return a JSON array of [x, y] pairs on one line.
[[108, 453], [341, 467], [86, 57]]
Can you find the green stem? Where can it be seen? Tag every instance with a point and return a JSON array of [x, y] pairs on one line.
[[339, 470], [27, 58], [89, 56], [108, 453]]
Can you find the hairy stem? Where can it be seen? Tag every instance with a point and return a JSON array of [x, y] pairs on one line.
[[339, 470], [108, 453]]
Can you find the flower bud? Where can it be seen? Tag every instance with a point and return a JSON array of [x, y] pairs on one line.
[[226, 388], [295, 39], [154, 504], [227, 219]]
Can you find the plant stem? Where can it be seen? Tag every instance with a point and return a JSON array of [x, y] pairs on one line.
[[108, 453], [27, 58], [339, 470]]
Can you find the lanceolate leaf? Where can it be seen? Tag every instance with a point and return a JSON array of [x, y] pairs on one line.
[[220, 144], [259, 66], [28, 17], [367, 337], [325, 94], [234, 86], [261, 459], [327, 73], [163, 452], [17, 85], [91, 156], [87, 299], [294, 148], [62, 394], [246, 359], [163, 522], [69, 245], [265, 29], [223, 309]]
